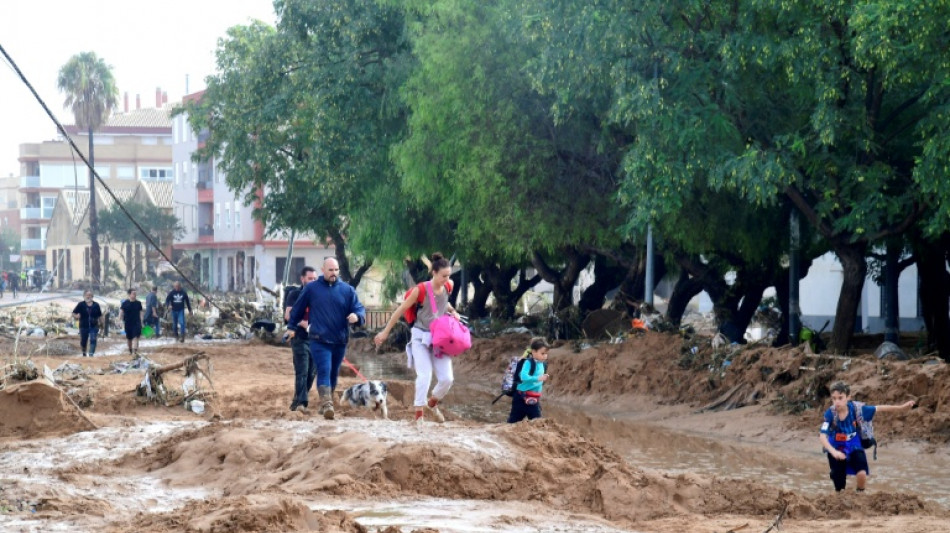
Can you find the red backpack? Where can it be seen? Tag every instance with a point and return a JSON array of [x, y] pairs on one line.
[[410, 314]]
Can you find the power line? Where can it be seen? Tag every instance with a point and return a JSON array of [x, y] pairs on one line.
[[69, 139]]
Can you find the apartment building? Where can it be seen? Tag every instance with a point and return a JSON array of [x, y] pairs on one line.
[[227, 245], [133, 146]]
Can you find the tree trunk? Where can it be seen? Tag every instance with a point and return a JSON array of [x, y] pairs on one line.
[[478, 307], [500, 279], [563, 280], [607, 276], [891, 308], [683, 291], [855, 270], [935, 295], [339, 251], [93, 222]]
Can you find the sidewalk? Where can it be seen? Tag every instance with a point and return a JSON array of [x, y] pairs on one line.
[[26, 298]]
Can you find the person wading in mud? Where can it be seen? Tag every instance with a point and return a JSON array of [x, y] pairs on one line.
[[333, 306], [419, 349], [526, 398], [131, 314], [177, 300], [305, 371], [841, 439], [89, 315]]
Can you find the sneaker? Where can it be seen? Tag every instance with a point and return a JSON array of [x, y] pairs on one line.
[[419, 419], [433, 405], [293, 406], [84, 354]]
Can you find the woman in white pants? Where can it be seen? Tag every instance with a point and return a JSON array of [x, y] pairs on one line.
[[419, 349]]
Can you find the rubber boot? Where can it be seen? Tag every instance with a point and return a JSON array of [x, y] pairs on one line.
[[326, 402]]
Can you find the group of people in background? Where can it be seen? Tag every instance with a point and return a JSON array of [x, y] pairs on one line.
[[11, 281], [133, 316]]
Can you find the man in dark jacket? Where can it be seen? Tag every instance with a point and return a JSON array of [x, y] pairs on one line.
[[333, 307], [177, 299], [304, 369], [89, 315]]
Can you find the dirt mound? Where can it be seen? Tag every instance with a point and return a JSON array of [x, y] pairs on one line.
[[541, 461], [245, 513], [688, 370], [38, 409]]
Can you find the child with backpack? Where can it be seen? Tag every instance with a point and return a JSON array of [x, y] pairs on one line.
[[529, 377], [846, 431]]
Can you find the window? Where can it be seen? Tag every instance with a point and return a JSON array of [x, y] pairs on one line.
[[125, 172], [194, 219], [151, 173], [49, 202], [217, 215], [237, 218], [227, 215]]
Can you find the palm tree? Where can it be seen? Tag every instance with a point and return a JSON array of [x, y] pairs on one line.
[[91, 94]]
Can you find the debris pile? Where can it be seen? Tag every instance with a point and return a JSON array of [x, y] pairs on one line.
[[153, 387]]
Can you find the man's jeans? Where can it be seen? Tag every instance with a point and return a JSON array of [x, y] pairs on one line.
[[88, 336], [153, 321], [304, 370], [327, 358], [178, 322]]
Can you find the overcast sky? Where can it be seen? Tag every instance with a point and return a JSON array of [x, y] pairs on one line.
[[148, 44]]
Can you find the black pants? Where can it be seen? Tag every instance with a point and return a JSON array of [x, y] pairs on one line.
[[857, 460], [305, 371], [520, 410]]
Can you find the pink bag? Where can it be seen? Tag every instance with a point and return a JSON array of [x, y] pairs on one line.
[[449, 336]]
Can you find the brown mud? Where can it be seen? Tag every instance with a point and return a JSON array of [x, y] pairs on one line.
[[617, 451]]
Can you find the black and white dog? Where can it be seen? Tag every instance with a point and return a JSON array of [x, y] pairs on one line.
[[367, 394]]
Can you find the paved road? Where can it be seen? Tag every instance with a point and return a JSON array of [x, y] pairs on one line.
[[26, 298]]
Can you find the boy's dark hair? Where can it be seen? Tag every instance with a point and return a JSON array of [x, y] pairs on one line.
[[154, 288], [130, 291], [439, 262], [306, 270], [842, 387], [538, 342]]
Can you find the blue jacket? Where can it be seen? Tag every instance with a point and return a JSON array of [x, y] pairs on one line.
[[329, 306]]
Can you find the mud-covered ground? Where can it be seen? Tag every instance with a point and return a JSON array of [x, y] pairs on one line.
[[644, 435]]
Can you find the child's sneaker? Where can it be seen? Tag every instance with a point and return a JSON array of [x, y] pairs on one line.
[[433, 405], [419, 419]]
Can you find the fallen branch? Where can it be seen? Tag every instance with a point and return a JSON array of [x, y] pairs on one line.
[[153, 386], [777, 524]]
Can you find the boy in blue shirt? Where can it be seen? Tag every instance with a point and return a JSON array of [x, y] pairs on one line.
[[532, 373], [841, 438]]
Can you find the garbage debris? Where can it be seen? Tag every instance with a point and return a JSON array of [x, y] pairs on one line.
[[153, 388]]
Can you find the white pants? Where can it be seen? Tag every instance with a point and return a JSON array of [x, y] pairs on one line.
[[419, 350]]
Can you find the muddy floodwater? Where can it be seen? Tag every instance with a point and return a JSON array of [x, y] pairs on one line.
[[791, 461], [617, 450]]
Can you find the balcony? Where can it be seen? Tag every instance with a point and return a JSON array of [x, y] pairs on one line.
[[30, 181], [205, 185], [32, 245], [206, 234], [36, 213]]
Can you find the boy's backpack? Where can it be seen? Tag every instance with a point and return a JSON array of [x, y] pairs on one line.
[[512, 377], [865, 427]]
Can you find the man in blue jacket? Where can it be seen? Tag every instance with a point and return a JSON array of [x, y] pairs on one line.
[[333, 307]]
